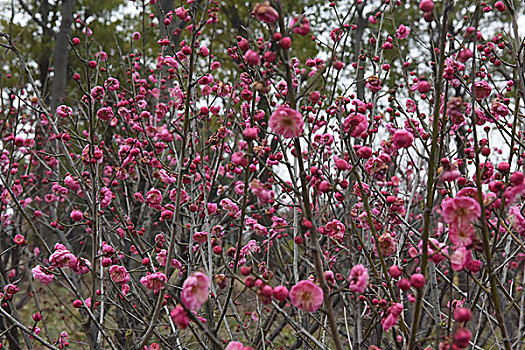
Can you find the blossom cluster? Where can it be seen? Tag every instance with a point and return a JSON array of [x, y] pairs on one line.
[[224, 192]]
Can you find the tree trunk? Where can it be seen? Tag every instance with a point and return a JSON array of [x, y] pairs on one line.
[[166, 6], [61, 55], [47, 42], [362, 23]]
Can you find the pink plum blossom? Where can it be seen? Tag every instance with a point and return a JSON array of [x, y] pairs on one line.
[[105, 113], [303, 28], [392, 316], [82, 267], [64, 111], [237, 345], [481, 90], [42, 275], [460, 259], [387, 243], [262, 194], [411, 105], [118, 274], [76, 215], [517, 220], [153, 197], [63, 258], [306, 296], [227, 204], [333, 229], [422, 86], [358, 279], [461, 236], [402, 32], [460, 210], [154, 281], [355, 124], [287, 122], [195, 290], [179, 317], [374, 84]]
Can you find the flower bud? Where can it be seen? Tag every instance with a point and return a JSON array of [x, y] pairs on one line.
[[395, 271], [462, 338], [402, 139], [462, 314], [516, 178], [403, 284], [417, 280], [426, 6], [280, 293]]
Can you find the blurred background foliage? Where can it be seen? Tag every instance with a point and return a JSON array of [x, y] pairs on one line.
[[35, 24]]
